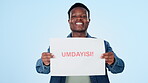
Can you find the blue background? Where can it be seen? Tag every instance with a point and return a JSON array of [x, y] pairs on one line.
[[27, 25]]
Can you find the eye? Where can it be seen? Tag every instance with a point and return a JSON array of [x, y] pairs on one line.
[[84, 16], [73, 16]]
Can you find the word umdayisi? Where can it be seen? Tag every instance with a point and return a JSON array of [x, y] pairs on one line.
[[77, 54]]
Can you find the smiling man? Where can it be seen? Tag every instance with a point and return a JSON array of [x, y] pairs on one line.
[[79, 18]]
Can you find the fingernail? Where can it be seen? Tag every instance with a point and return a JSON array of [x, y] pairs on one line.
[[101, 57], [53, 56]]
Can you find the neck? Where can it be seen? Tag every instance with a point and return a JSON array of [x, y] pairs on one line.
[[79, 34]]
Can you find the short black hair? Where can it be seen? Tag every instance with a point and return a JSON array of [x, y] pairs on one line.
[[78, 5]]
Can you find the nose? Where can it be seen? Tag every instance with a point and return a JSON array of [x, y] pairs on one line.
[[79, 18]]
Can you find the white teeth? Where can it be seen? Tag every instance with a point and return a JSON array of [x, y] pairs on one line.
[[79, 23]]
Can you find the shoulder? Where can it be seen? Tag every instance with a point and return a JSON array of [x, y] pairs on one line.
[[108, 48], [106, 43]]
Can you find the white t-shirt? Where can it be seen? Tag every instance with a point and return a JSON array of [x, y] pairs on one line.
[[77, 79]]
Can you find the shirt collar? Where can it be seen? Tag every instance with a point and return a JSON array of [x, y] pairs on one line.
[[87, 36]]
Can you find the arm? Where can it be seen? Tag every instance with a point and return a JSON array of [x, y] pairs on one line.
[[43, 64], [41, 68], [118, 65]]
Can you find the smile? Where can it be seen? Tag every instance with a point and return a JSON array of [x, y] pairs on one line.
[[79, 23]]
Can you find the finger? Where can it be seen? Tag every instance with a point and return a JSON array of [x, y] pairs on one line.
[[104, 55], [46, 62], [53, 56], [46, 54], [107, 55], [46, 57], [109, 59], [50, 56], [109, 62]]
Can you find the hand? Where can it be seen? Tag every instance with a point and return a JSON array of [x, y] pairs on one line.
[[109, 57], [46, 58]]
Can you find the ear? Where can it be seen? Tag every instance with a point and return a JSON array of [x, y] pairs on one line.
[[69, 21], [88, 20]]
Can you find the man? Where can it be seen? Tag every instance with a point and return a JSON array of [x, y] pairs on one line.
[[79, 18]]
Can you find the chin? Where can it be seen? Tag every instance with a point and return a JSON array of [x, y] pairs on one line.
[[78, 30]]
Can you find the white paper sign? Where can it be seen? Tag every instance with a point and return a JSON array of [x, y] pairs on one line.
[[77, 57]]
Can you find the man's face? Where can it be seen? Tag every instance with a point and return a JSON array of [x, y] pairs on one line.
[[79, 20]]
